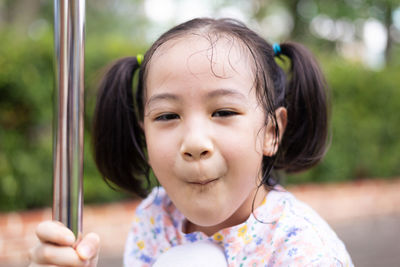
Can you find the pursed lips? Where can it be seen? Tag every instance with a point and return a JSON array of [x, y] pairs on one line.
[[203, 181]]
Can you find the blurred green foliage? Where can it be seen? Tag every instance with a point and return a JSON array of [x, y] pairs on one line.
[[365, 118], [365, 124], [26, 106]]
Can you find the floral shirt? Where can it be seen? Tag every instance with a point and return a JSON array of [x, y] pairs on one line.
[[282, 231]]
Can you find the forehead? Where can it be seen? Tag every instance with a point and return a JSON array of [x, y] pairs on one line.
[[200, 55], [217, 47]]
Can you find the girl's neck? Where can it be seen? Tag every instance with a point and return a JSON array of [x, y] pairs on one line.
[[235, 219]]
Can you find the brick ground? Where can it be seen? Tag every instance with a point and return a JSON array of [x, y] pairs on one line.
[[337, 203]]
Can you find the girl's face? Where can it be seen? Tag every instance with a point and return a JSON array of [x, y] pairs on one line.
[[205, 130]]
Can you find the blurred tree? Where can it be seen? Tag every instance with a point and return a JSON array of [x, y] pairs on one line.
[[19, 12], [304, 11], [363, 9], [365, 116], [26, 85]]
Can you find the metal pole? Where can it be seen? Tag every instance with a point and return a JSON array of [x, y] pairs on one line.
[[69, 20]]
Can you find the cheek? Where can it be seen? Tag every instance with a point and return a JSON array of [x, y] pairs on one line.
[[247, 139], [160, 149], [243, 150]]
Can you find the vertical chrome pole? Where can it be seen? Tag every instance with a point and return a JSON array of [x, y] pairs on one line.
[[69, 20]]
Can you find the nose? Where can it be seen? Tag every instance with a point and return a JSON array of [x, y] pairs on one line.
[[196, 144]]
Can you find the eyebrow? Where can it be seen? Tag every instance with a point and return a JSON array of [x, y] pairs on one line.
[[163, 96], [225, 92], [213, 94]]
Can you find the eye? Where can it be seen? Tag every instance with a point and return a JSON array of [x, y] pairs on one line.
[[224, 113], [167, 117]]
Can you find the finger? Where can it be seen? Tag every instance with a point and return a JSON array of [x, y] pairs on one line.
[[88, 248], [52, 254], [55, 232], [40, 265]]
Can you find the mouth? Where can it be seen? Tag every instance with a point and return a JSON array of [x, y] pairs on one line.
[[203, 182]]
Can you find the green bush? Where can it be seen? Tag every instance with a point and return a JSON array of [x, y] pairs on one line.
[[365, 120], [26, 114], [365, 124]]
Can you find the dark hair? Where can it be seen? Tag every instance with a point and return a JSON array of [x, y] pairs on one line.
[[118, 139]]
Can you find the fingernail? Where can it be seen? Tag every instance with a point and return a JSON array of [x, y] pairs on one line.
[[84, 252], [70, 239]]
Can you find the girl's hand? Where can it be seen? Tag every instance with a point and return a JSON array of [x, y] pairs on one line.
[[58, 248]]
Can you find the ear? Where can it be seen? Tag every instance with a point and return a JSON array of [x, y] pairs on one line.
[[271, 142]]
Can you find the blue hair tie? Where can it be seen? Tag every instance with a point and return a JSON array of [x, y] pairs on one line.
[[277, 49]]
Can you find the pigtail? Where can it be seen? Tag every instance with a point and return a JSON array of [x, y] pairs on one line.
[[304, 141], [118, 139]]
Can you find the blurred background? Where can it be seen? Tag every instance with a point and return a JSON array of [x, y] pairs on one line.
[[357, 43]]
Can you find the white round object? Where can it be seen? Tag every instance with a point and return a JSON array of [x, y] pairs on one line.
[[197, 254]]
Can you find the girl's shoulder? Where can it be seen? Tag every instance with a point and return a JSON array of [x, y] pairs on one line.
[[296, 229], [157, 207], [157, 199], [153, 230], [281, 205], [292, 217]]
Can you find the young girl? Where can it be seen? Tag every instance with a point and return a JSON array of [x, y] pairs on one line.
[[212, 117]]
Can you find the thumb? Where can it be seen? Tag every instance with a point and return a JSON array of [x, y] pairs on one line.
[[89, 246]]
